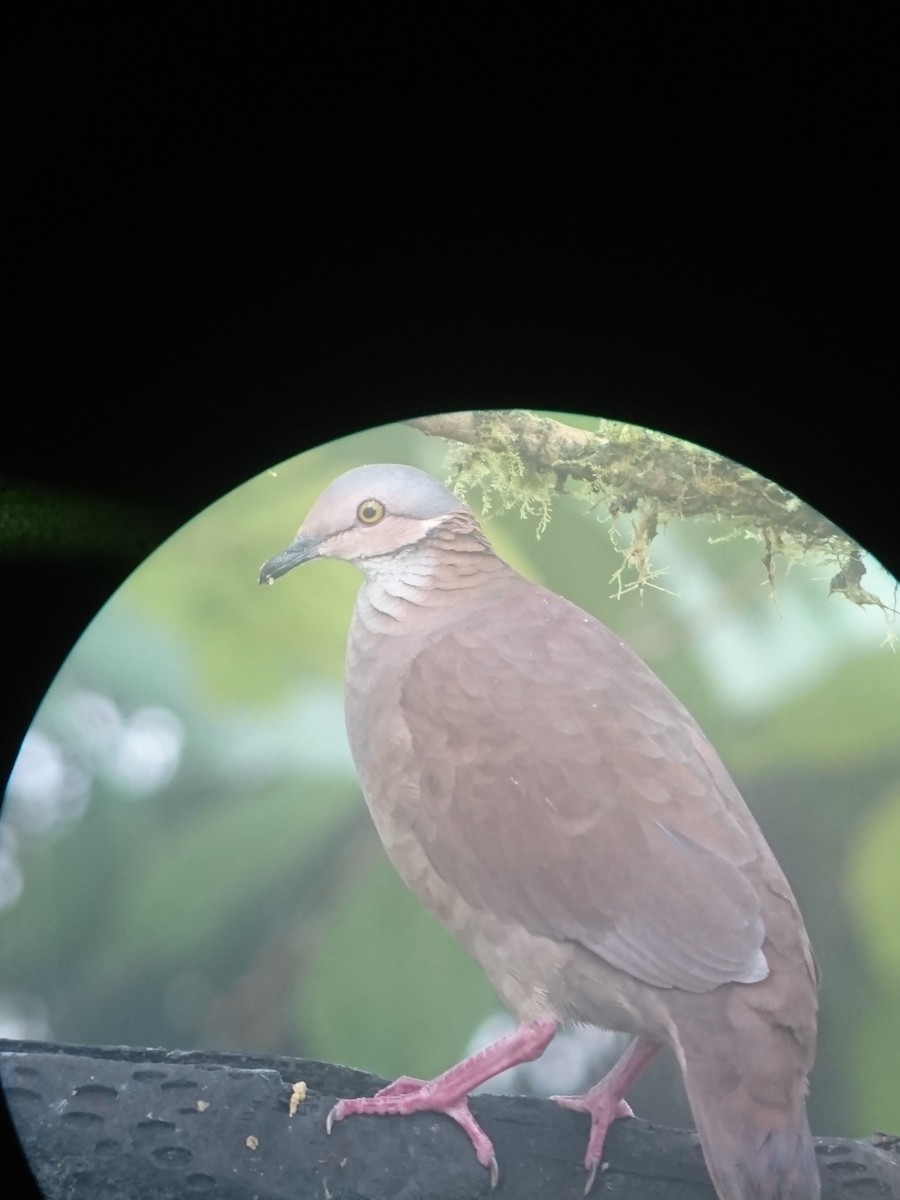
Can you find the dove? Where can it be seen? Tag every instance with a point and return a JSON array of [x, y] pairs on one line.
[[564, 816]]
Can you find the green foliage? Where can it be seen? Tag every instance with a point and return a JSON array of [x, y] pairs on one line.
[[849, 718], [521, 460], [390, 990], [497, 472], [875, 885], [874, 891], [204, 581], [874, 1049], [191, 888]]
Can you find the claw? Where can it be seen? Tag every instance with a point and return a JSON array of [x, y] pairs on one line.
[[448, 1092], [494, 1170], [592, 1175], [604, 1103]]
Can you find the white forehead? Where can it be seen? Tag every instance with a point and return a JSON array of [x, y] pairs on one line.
[[404, 491]]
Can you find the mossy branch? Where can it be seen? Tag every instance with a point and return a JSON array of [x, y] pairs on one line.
[[522, 460]]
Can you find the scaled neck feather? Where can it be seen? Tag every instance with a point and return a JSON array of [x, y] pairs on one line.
[[445, 567]]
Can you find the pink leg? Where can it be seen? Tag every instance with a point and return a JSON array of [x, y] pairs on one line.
[[604, 1103], [447, 1093]]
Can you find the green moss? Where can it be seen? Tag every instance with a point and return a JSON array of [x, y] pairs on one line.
[[638, 480]]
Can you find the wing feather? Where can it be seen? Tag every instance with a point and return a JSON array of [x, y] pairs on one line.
[[563, 787]]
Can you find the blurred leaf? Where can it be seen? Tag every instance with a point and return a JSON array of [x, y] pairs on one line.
[[187, 888], [848, 717], [873, 883], [390, 991], [249, 642], [873, 1060]]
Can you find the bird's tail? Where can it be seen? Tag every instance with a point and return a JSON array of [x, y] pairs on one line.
[[756, 1148]]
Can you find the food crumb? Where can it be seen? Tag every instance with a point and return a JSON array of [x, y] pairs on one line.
[[298, 1095]]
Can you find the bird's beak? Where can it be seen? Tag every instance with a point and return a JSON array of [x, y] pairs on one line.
[[301, 550]]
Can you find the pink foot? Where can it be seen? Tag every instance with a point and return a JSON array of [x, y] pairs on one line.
[[401, 1085], [604, 1103], [424, 1098], [603, 1109], [447, 1093]]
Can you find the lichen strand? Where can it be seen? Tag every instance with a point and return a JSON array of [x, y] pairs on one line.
[[639, 479], [503, 470], [847, 581], [636, 556]]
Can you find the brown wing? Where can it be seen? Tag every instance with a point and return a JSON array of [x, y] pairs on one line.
[[563, 787]]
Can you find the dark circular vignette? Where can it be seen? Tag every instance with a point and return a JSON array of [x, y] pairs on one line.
[[87, 584], [90, 583], [174, 341], [193, 449]]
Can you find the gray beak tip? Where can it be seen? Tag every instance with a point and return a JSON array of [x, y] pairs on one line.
[[300, 551]]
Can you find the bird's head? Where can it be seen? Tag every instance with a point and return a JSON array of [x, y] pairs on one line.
[[369, 513]]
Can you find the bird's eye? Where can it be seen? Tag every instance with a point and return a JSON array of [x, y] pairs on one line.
[[370, 512]]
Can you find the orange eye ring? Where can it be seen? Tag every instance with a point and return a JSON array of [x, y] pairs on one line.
[[370, 512]]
